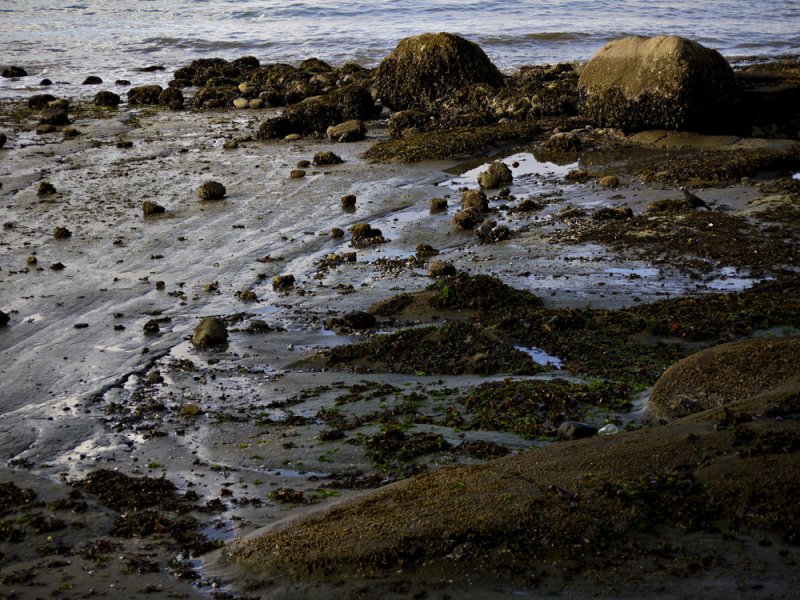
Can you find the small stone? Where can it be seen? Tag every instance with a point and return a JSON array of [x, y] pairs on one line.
[[81, 325], [54, 116], [440, 268], [61, 233], [211, 331], [246, 296], [190, 410], [124, 144], [245, 87], [348, 201], [70, 133], [438, 205], [122, 82], [349, 131], [161, 285], [106, 98], [211, 190], [241, 103], [497, 175], [426, 251], [152, 208], [293, 137], [574, 430], [144, 95], [327, 158], [40, 101], [609, 181], [3, 139], [466, 219], [32, 260], [256, 103], [303, 164], [45, 129], [154, 377], [4, 319], [297, 174], [282, 282], [474, 200], [45, 82], [57, 266], [12, 72], [337, 233], [151, 327], [231, 144]]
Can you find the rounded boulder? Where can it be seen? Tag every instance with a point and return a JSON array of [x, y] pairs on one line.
[[425, 68], [664, 82], [210, 332], [724, 374]]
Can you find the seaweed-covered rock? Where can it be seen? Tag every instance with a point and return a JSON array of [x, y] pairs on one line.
[[211, 331], [54, 116], [327, 158], [497, 175], [145, 95], [726, 373], [61, 233], [45, 188], [12, 72], [349, 131], [152, 208], [408, 122], [474, 200], [106, 98], [354, 320], [40, 101], [171, 97], [665, 82], [425, 68], [211, 190], [274, 128]]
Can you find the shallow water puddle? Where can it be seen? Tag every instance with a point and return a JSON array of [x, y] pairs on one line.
[[540, 357], [524, 166], [730, 279]]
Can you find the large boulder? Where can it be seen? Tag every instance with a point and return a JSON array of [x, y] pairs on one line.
[[724, 374], [425, 68], [665, 82]]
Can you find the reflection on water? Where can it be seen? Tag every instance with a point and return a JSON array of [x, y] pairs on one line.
[[540, 357], [526, 169]]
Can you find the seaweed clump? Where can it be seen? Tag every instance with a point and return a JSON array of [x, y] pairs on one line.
[[535, 409], [456, 348]]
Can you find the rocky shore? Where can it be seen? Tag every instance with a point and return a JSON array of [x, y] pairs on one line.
[[237, 305]]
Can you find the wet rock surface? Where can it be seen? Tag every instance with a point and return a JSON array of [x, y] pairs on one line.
[[726, 374], [665, 82], [380, 343], [426, 68]]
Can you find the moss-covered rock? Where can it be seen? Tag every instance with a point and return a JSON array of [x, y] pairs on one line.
[[664, 82], [497, 175], [144, 95], [727, 373], [210, 332], [423, 69]]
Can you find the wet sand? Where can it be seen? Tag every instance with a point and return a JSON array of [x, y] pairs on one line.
[[79, 384]]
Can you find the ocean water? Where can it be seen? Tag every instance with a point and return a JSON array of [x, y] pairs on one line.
[[113, 38]]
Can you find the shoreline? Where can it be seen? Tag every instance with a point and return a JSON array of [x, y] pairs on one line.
[[240, 424]]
